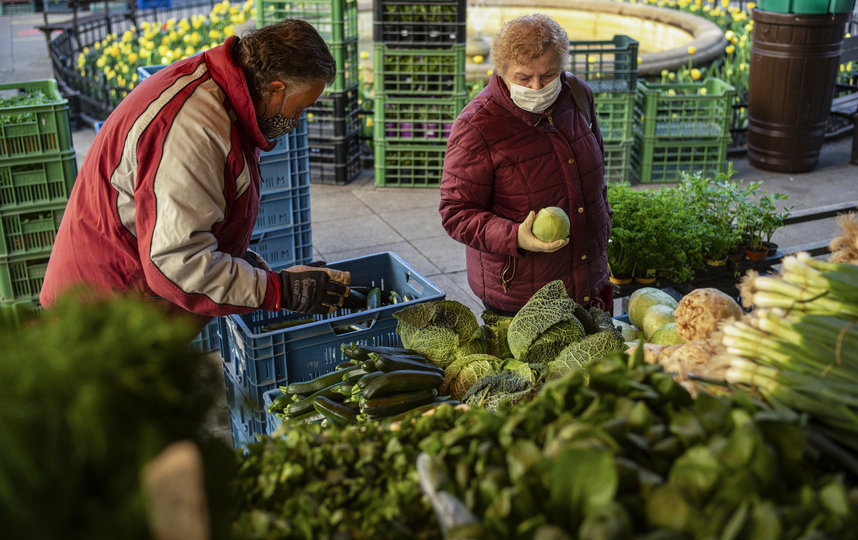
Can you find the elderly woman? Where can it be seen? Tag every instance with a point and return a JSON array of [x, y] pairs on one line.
[[524, 143], [167, 197]]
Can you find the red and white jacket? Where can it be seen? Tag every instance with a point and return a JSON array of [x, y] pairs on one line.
[[167, 196], [501, 163]]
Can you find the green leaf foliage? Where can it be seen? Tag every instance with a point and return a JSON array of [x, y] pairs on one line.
[[548, 306], [88, 395]]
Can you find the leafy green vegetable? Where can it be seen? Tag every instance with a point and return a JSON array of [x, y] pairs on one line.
[[546, 347], [521, 369], [88, 395], [497, 391], [579, 354], [500, 328], [476, 366], [436, 329], [548, 306]]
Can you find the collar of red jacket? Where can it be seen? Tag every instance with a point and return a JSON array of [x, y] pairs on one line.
[[231, 79], [501, 93]]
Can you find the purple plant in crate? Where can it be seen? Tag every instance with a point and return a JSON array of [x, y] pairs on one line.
[[446, 128], [406, 130], [430, 131]]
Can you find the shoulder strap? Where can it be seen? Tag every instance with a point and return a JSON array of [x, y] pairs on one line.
[[580, 98]]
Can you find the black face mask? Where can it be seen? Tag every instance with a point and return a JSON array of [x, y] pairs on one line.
[[278, 125]]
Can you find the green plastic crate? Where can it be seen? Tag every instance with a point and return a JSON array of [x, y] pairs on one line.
[[683, 111], [805, 7], [607, 66], [615, 112], [21, 276], [841, 6], [16, 313], [408, 165], [30, 130], [657, 161], [346, 57], [412, 120], [28, 181], [618, 161], [11, 8], [436, 73], [335, 20], [31, 231]]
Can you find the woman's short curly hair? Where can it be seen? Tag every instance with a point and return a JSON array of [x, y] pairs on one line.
[[528, 37], [290, 50]]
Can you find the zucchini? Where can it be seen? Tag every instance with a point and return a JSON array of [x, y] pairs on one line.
[[335, 412], [423, 408], [394, 297], [388, 406], [368, 365], [280, 403], [401, 382], [343, 365], [366, 379], [322, 381], [358, 297], [373, 298], [394, 363], [354, 375], [310, 416], [299, 407], [356, 351]]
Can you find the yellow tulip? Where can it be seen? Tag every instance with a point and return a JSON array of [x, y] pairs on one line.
[[214, 34], [702, 91], [101, 62], [692, 49], [750, 6], [730, 49], [672, 76], [229, 31], [478, 59], [133, 57], [364, 55], [174, 36], [695, 74], [729, 35], [490, 72], [189, 51], [671, 92], [369, 121]]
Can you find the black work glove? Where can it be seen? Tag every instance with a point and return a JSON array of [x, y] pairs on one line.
[[256, 260], [308, 289]]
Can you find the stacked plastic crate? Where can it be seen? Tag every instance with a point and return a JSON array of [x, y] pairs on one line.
[[681, 127], [37, 171], [419, 69], [610, 68], [334, 126]]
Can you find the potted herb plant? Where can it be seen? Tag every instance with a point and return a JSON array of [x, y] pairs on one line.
[[759, 219]]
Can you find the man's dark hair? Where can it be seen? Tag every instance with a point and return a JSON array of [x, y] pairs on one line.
[[290, 50]]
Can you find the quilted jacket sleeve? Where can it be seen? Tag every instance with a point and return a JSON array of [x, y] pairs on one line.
[[466, 193]]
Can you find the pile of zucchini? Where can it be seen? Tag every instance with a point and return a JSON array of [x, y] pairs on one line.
[[375, 383]]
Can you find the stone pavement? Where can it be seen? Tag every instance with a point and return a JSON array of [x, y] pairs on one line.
[[359, 218]]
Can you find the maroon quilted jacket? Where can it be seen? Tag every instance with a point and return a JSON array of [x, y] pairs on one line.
[[501, 163]]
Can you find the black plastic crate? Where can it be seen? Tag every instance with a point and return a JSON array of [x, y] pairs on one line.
[[335, 114], [428, 23], [335, 160]]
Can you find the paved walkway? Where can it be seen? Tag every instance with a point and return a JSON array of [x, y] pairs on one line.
[[359, 218]]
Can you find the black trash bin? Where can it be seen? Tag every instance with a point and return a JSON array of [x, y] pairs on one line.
[[793, 70]]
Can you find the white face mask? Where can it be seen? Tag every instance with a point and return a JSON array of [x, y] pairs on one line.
[[535, 101]]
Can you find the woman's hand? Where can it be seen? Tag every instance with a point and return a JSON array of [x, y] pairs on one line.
[[526, 240]]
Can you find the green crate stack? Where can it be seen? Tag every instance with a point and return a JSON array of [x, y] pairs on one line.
[[610, 69], [37, 171], [681, 127], [419, 70], [334, 145]]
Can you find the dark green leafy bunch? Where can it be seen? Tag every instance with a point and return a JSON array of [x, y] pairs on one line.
[[619, 450], [88, 395], [357, 482]]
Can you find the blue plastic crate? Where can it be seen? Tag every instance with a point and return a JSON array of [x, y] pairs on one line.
[[145, 71], [209, 339], [262, 361], [286, 246], [272, 421], [97, 126], [283, 209], [295, 140], [149, 4], [243, 411], [287, 170]]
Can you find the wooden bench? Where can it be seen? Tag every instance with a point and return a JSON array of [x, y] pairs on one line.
[[846, 104]]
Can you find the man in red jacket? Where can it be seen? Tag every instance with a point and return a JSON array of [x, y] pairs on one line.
[[521, 145], [167, 196]]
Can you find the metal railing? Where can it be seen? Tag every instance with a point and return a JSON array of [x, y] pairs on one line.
[[98, 97]]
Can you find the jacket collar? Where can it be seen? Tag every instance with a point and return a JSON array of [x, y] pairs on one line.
[[501, 93], [231, 79]]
